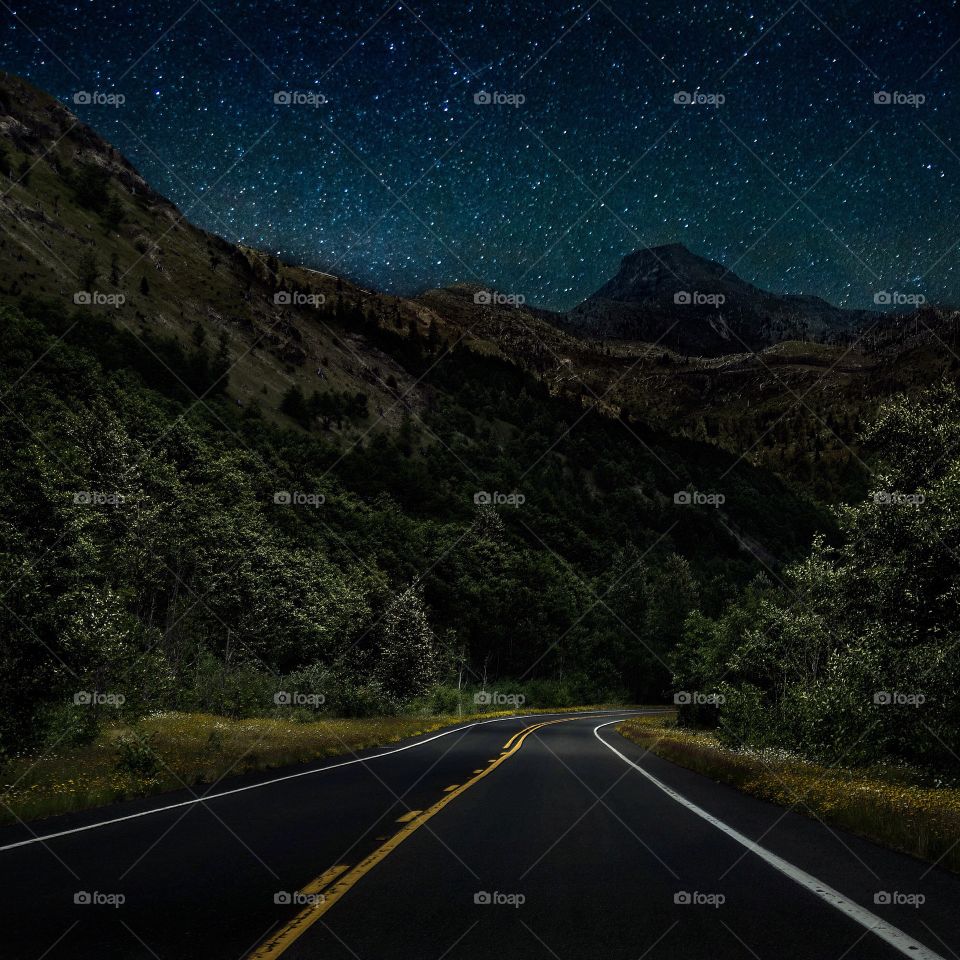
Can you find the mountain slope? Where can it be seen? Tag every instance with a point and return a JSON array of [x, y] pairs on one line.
[[79, 221], [671, 296], [76, 214]]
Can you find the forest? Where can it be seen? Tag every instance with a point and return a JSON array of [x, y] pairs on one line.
[[202, 556]]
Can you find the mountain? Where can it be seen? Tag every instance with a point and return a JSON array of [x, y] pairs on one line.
[[78, 218], [795, 406], [217, 467], [670, 296], [79, 222]]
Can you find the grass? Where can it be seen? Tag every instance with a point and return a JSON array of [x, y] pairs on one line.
[[171, 751], [883, 804]]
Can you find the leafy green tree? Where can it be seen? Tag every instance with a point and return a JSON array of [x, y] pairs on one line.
[[857, 656], [405, 655]]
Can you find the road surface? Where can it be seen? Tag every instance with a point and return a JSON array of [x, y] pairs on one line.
[[536, 837]]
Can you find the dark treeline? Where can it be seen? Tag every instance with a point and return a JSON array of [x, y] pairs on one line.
[[195, 556], [853, 655]]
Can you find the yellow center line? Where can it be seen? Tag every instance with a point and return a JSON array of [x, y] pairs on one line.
[[277, 943], [408, 816], [273, 946], [316, 885]]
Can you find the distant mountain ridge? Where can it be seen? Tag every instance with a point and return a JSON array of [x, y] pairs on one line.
[[671, 296], [77, 218]]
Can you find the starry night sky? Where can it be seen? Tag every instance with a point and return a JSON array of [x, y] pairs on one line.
[[799, 181]]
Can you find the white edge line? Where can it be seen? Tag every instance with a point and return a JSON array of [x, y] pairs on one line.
[[39, 838], [894, 936]]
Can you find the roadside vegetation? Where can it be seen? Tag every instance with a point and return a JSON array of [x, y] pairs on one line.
[[163, 555], [894, 805], [200, 752], [852, 655], [831, 685]]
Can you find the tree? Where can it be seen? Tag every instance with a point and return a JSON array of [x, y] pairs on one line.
[[405, 659], [113, 213], [294, 405], [858, 656], [220, 367], [89, 185], [88, 270]]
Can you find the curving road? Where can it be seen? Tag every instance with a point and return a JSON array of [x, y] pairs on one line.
[[537, 837]]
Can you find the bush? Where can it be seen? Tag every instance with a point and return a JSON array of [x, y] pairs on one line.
[[67, 725], [137, 756]]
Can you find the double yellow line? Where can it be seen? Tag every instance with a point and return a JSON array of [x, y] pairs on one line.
[[337, 881]]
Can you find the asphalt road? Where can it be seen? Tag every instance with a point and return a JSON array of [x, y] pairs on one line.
[[565, 841]]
